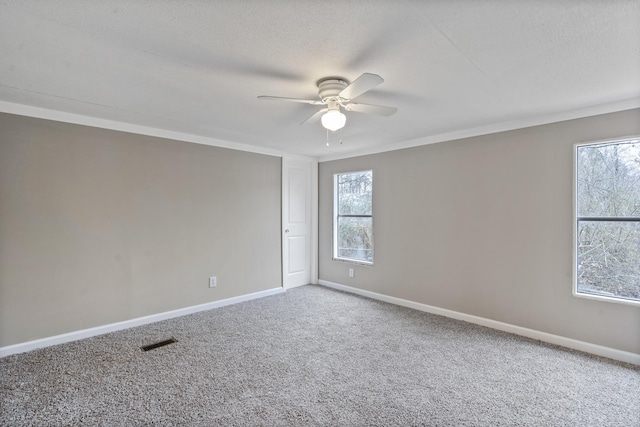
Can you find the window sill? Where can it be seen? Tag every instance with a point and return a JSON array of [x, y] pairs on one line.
[[605, 298], [353, 261]]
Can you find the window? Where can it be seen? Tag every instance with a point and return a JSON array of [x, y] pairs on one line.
[[353, 217], [608, 221]]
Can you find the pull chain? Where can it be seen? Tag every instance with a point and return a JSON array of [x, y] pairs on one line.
[[339, 137]]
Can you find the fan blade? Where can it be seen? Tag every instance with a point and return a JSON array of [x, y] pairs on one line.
[[365, 82], [316, 116], [371, 109], [303, 101]]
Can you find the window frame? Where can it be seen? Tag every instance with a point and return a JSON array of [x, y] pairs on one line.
[[336, 216], [577, 219]]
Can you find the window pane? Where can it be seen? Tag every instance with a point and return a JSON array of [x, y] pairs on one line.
[[609, 259], [355, 238], [354, 193], [609, 179]]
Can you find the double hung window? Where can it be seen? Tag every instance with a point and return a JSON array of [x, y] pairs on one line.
[[353, 217], [608, 221]]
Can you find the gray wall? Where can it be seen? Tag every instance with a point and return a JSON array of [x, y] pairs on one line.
[[483, 226], [98, 226]]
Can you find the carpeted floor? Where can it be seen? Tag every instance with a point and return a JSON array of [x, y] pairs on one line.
[[316, 356]]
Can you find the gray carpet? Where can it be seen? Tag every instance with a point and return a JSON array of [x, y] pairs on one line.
[[315, 356]]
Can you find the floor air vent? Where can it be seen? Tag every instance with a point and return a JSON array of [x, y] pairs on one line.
[[158, 344]]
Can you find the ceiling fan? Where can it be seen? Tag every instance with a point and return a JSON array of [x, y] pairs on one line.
[[335, 92]]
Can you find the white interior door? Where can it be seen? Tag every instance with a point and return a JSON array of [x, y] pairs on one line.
[[298, 252]]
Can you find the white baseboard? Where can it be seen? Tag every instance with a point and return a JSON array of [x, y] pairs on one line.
[[99, 330], [612, 353]]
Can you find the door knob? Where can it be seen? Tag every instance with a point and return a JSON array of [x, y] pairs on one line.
[[286, 231]]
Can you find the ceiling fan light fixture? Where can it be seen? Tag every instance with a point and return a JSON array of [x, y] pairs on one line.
[[333, 120]]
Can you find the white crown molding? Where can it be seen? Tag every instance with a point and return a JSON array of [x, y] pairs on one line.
[[611, 353], [312, 160], [99, 330], [593, 110], [78, 119], [61, 116]]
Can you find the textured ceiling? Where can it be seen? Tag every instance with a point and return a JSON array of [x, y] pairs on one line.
[[196, 67]]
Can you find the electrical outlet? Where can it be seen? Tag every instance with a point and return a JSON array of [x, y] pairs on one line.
[[351, 273], [213, 281]]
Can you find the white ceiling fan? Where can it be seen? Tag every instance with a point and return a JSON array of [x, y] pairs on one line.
[[335, 92]]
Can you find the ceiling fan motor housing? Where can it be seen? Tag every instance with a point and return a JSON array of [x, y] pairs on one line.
[[328, 89]]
